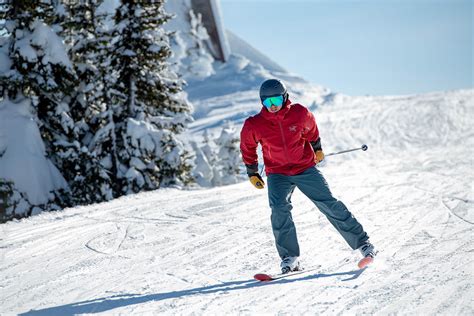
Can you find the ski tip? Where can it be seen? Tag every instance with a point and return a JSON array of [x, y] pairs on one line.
[[262, 277], [365, 262]]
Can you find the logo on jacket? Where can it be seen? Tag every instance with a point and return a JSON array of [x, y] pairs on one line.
[[293, 128]]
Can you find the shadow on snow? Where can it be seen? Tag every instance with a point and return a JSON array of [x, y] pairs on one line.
[[111, 302]]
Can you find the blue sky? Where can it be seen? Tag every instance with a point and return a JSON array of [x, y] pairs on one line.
[[377, 47]]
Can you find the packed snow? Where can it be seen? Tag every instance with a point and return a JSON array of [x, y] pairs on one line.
[[195, 251]]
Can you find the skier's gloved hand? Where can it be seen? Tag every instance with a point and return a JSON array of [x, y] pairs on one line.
[[318, 156], [318, 151], [257, 181], [254, 176]]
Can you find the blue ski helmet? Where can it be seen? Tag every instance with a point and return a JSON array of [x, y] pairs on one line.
[[273, 88]]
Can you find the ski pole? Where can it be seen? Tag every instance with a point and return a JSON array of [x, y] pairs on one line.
[[363, 148]]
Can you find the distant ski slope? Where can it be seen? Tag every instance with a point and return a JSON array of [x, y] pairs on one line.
[[195, 251]]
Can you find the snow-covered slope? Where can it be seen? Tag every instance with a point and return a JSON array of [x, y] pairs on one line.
[[195, 251], [240, 47]]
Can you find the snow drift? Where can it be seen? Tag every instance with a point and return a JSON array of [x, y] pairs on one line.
[[23, 159]]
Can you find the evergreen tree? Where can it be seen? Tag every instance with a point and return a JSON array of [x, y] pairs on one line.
[[204, 162], [191, 45], [150, 111], [109, 108], [89, 177], [218, 159], [40, 69], [229, 157], [199, 60]]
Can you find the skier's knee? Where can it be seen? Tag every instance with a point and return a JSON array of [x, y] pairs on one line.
[[278, 208]]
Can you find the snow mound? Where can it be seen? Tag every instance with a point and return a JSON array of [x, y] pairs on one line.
[[22, 154]]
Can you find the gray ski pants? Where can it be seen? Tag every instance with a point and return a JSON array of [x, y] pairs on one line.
[[312, 183]]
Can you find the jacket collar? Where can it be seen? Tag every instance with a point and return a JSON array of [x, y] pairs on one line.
[[278, 116]]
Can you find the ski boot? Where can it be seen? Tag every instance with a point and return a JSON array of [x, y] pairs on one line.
[[368, 253], [290, 264]]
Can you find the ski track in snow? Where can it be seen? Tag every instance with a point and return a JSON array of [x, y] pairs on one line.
[[195, 251]]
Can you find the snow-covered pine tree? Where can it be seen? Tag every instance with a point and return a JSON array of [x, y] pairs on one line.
[[190, 42], [89, 178], [210, 150], [10, 200], [80, 36], [205, 161], [198, 60], [151, 111], [39, 69], [218, 160], [229, 154]]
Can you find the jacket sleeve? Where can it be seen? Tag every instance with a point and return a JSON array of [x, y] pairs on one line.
[[311, 131], [248, 144]]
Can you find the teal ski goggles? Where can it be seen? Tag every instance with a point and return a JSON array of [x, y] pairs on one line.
[[276, 101]]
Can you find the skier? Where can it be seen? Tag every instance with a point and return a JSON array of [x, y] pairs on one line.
[[291, 149]]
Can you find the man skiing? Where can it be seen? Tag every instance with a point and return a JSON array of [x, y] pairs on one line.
[[291, 148]]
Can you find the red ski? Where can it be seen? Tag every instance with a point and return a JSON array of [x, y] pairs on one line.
[[263, 277], [364, 262], [271, 277]]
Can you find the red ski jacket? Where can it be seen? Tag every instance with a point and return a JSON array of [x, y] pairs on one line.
[[285, 138]]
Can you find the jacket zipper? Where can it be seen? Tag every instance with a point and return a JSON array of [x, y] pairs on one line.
[[284, 142]]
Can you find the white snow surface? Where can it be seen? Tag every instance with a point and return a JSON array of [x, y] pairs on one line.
[[194, 252]]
